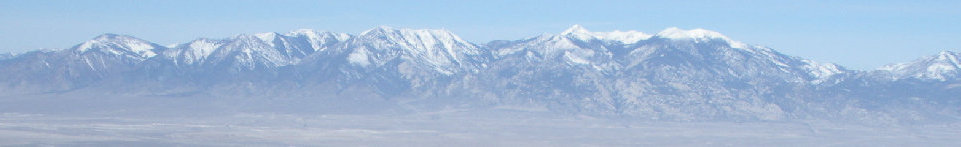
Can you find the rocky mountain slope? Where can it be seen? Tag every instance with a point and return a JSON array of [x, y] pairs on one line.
[[674, 74]]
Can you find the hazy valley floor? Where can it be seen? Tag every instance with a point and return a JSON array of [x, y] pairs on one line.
[[447, 130]]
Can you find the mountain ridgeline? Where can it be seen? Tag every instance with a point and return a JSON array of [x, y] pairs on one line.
[[675, 74]]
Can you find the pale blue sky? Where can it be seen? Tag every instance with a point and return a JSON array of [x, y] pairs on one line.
[[855, 33]]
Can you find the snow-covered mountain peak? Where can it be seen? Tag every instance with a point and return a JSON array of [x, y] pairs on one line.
[[119, 45], [440, 49], [311, 33], [938, 67], [698, 34], [626, 37], [576, 29], [417, 38], [677, 33], [303, 32], [204, 47], [258, 38], [319, 40], [949, 56], [267, 37], [945, 61], [378, 29], [387, 30], [115, 38]]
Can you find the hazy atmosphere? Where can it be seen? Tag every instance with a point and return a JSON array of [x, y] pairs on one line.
[[878, 32]]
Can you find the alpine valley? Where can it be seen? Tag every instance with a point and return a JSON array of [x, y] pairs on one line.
[[673, 75]]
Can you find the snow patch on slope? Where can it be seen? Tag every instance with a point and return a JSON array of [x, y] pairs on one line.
[[821, 71], [575, 59], [359, 57]]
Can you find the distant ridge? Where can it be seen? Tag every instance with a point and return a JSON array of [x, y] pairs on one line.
[[675, 74]]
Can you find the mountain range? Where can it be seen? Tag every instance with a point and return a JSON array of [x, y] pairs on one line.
[[675, 74]]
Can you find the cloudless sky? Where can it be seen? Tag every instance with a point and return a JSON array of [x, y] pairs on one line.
[[859, 34]]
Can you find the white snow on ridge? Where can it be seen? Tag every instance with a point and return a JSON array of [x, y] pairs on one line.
[[118, 44], [677, 33], [545, 44], [267, 37], [308, 32], [203, 48], [941, 66], [821, 71], [438, 48], [87, 45], [142, 48], [579, 32], [576, 29], [376, 29], [423, 38], [938, 67], [698, 35], [949, 57], [626, 37], [631, 36], [317, 38]]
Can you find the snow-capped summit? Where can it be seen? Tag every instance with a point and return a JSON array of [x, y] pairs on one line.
[[626, 37], [319, 40], [941, 67], [249, 51], [302, 32], [697, 35], [576, 39], [677, 33], [438, 47], [194, 51], [574, 46], [377, 29], [579, 32], [418, 38], [268, 37], [949, 56], [120, 45]]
